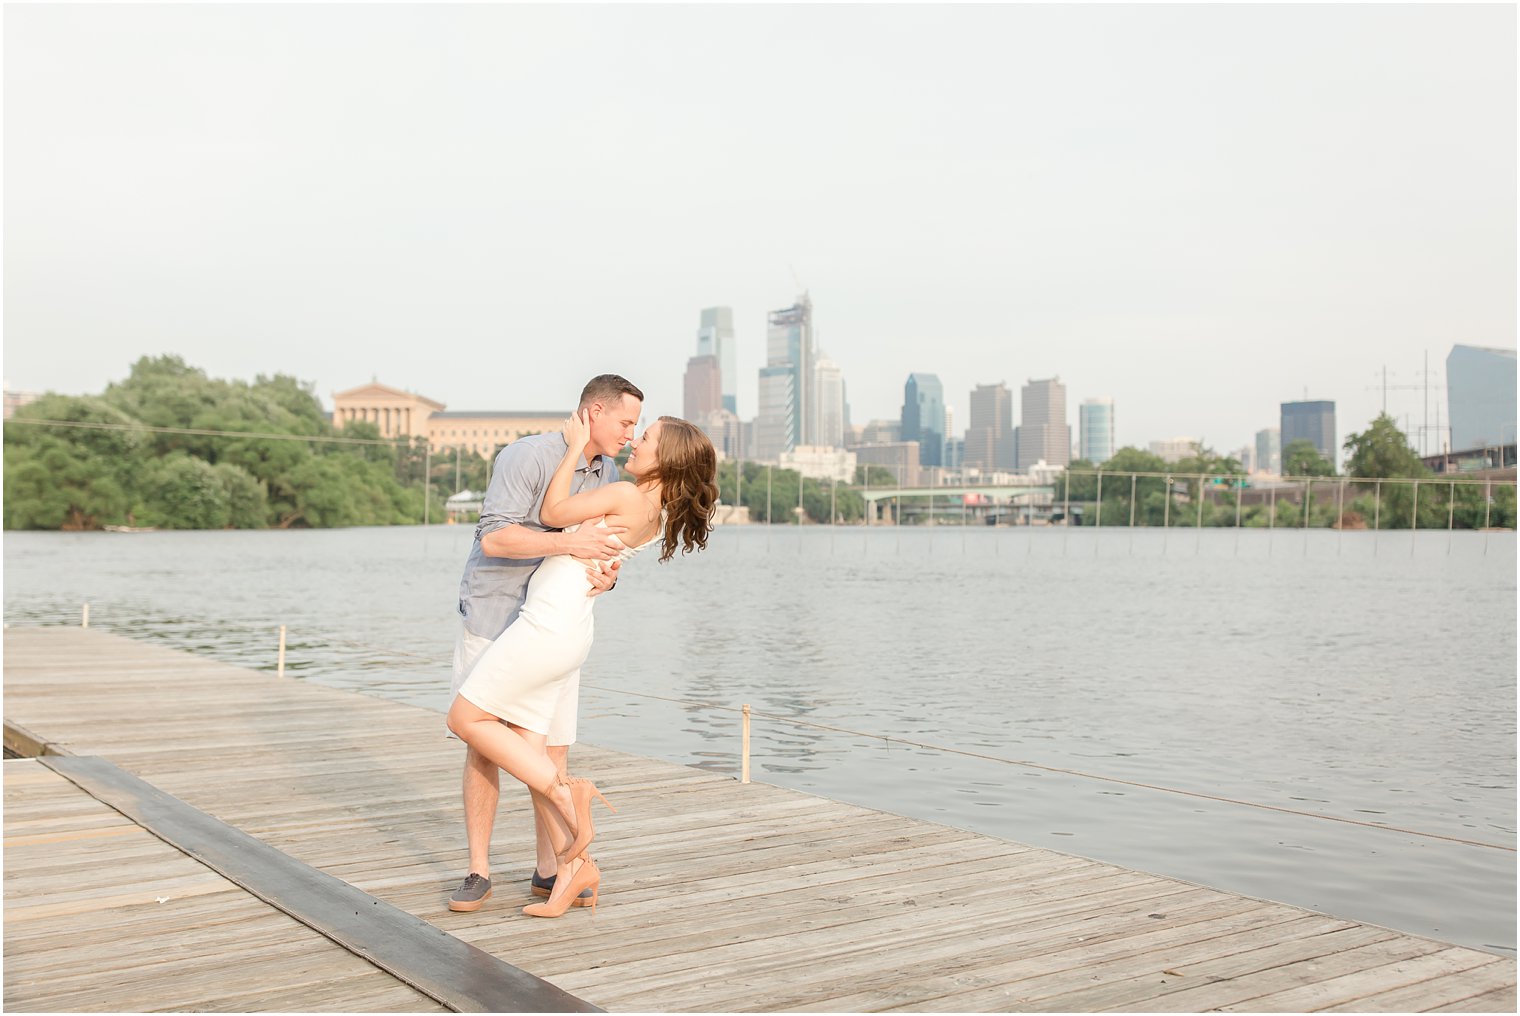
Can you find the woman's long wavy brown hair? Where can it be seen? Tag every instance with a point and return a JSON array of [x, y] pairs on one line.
[[687, 466]]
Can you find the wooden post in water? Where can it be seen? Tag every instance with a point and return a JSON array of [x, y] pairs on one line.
[[744, 765], [280, 666], [84, 617]]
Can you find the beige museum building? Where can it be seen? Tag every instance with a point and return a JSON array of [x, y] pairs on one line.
[[405, 414]]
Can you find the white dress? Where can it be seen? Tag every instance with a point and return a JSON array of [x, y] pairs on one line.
[[526, 672]]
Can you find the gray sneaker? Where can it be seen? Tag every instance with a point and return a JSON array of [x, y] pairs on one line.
[[472, 892]]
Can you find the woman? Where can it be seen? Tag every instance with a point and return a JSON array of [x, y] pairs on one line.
[[522, 676]]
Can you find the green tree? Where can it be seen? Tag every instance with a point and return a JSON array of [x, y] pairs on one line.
[[247, 502], [184, 492], [1301, 458], [52, 484], [1382, 451], [61, 477], [98, 462]]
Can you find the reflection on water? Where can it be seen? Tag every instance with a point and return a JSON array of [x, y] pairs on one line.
[[1361, 675]]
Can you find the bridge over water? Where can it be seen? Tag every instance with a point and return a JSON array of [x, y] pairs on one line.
[[992, 498]]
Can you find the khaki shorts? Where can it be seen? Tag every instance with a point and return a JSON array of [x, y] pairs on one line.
[[469, 648]]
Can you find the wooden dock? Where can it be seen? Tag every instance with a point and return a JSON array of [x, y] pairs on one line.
[[717, 896]]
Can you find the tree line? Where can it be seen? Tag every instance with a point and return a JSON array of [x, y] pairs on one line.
[[1216, 483], [267, 456], [1381, 452], [266, 465]]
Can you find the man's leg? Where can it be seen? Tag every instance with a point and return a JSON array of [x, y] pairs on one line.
[[482, 791]]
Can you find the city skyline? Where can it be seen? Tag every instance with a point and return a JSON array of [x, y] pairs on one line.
[[981, 193]]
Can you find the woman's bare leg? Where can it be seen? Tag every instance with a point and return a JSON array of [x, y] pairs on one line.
[[518, 752], [548, 829]]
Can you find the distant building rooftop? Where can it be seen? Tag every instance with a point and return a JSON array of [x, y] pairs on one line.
[[494, 414]]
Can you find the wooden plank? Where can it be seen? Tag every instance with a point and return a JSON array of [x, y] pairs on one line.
[[1477, 978], [1240, 991], [1314, 936], [1400, 973], [1497, 1000]]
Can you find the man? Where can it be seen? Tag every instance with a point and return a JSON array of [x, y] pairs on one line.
[[510, 543]]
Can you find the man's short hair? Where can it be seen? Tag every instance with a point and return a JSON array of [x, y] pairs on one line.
[[608, 388]]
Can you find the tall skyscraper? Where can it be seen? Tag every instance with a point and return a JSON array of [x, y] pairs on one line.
[[832, 413], [715, 337], [776, 425], [1246, 456], [1480, 396], [923, 417], [1313, 422], [1268, 451], [704, 387], [989, 439], [726, 432], [788, 406], [1043, 432], [1095, 425]]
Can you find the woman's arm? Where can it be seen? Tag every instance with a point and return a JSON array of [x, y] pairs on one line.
[[560, 508]]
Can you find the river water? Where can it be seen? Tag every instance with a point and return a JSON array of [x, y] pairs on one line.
[[1364, 683]]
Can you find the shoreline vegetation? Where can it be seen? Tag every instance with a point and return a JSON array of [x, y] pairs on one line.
[[111, 469], [171, 448]]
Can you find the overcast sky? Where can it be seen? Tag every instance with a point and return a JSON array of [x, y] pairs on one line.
[[1199, 211]]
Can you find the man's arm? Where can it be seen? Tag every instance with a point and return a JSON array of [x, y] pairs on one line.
[[519, 541], [516, 488]]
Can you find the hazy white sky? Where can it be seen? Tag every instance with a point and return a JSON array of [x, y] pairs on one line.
[[1200, 211]]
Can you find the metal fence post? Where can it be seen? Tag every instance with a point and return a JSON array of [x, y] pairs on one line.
[[1377, 513], [1340, 516], [1198, 526], [1099, 509], [1133, 478], [1239, 496], [1308, 504], [1414, 518]]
